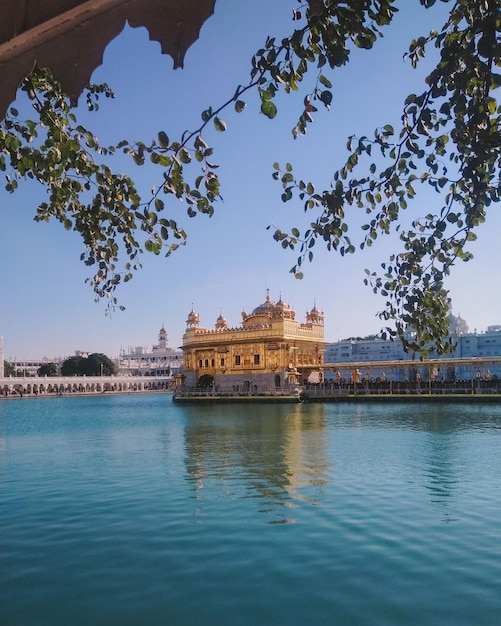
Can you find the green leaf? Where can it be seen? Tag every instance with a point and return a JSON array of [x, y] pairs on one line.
[[184, 156], [207, 114], [219, 124], [326, 98], [269, 109], [325, 81], [363, 41], [163, 140]]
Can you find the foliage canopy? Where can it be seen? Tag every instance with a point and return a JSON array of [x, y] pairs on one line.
[[47, 369], [9, 369], [448, 138], [96, 364]]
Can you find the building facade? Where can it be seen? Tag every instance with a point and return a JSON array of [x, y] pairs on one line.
[[161, 360], [269, 350], [30, 367], [469, 346]]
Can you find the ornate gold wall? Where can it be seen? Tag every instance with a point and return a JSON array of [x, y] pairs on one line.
[[269, 349]]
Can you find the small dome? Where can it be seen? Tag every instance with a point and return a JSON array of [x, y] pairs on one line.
[[283, 310], [221, 322], [265, 308], [315, 315], [193, 319]]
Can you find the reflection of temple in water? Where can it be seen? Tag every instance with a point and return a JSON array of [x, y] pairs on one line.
[[276, 453]]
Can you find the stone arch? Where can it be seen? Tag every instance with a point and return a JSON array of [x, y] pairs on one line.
[[206, 380]]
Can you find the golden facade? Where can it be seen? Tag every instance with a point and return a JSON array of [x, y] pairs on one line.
[[270, 349]]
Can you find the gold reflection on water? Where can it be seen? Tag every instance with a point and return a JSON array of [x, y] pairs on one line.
[[275, 454]]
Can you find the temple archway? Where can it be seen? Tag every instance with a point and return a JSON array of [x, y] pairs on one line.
[[206, 381]]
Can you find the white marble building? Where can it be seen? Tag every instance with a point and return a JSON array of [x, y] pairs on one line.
[[161, 360], [468, 346]]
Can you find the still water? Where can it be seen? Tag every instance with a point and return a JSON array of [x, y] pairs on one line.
[[133, 510]]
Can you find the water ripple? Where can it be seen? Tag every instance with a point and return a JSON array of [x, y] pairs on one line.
[[131, 510]]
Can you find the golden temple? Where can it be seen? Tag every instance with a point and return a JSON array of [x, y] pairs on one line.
[[269, 350]]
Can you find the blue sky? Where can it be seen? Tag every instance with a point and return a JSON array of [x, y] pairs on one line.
[[46, 309]]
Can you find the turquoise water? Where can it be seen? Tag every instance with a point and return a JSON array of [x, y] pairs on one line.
[[133, 510]]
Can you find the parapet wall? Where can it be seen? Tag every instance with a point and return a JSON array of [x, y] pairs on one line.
[[58, 385]]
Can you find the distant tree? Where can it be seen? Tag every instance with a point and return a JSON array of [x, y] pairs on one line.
[[96, 364], [366, 338], [73, 366], [447, 138], [9, 369], [93, 365], [47, 369]]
